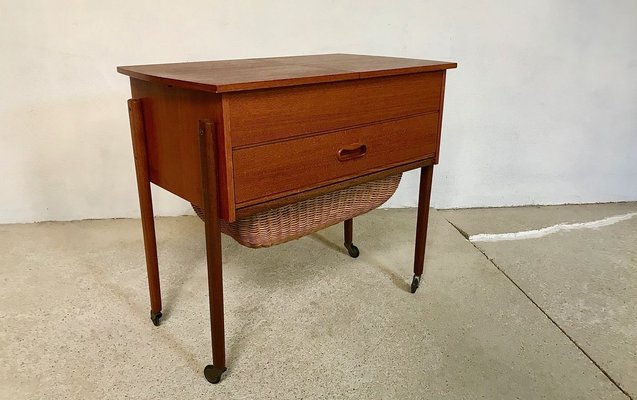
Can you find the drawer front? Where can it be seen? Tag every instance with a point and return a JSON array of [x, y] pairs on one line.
[[266, 115], [287, 167]]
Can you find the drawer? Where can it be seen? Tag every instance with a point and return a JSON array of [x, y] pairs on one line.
[[291, 166], [272, 114]]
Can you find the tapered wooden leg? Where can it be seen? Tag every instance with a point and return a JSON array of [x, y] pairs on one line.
[[426, 176], [207, 145], [145, 205], [349, 234]]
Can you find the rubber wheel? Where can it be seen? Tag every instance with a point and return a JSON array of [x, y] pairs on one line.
[[352, 250], [415, 282], [213, 374], [155, 317]]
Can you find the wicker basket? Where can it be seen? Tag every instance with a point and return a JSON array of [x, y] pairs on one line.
[[295, 220]]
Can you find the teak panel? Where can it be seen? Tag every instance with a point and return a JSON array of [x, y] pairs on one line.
[[337, 184], [273, 114], [259, 73], [171, 117], [287, 167]]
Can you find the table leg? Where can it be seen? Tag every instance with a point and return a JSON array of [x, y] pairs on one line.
[[426, 175], [136, 117], [349, 234], [207, 146]]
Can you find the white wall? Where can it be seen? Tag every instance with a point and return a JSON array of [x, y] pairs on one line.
[[542, 109]]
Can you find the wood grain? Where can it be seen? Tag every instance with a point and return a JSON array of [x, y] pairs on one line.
[[293, 165], [140, 153], [422, 219], [171, 116], [440, 108], [260, 73], [330, 186], [273, 114], [209, 184], [253, 128]]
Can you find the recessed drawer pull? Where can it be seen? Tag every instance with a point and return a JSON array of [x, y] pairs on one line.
[[352, 151]]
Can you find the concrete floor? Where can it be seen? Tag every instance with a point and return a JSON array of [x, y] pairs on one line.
[[544, 318]]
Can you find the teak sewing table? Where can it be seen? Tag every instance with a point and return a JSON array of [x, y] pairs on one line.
[[241, 136]]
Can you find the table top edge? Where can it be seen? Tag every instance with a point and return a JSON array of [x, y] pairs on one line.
[[177, 74]]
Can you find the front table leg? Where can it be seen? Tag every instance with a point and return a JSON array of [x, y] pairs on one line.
[[207, 146], [426, 175], [138, 134]]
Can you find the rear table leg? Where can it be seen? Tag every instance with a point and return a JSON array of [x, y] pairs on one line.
[[146, 206], [426, 176], [351, 248]]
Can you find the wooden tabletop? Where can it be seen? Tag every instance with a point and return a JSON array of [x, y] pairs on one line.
[[261, 73]]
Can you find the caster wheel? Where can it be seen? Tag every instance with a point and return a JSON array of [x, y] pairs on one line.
[[155, 316], [352, 250], [415, 283], [213, 374]]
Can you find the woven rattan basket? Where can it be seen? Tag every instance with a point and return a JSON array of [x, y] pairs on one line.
[[292, 221]]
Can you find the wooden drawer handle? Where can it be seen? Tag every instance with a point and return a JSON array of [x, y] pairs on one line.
[[352, 151]]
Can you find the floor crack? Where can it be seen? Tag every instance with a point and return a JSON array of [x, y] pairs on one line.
[[549, 230], [599, 367]]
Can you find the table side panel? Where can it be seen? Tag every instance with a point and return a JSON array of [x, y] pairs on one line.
[[287, 167], [171, 117], [273, 114]]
